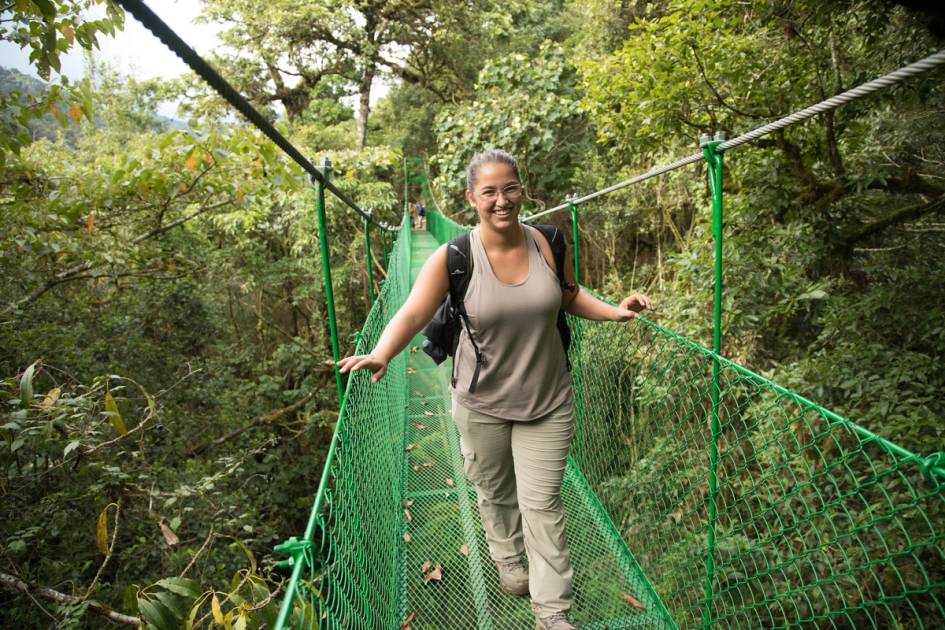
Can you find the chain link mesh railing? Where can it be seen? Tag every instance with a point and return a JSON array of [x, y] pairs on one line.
[[820, 523], [351, 578]]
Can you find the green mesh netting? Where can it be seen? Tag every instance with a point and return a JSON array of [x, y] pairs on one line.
[[820, 523]]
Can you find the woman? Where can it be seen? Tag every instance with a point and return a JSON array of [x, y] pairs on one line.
[[516, 429]]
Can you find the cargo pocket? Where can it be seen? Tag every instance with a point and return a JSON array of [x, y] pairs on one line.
[[470, 466]]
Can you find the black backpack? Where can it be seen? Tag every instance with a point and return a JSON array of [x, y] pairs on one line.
[[442, 332]]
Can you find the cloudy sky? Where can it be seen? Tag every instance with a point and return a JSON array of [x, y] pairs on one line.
[[135, 51]]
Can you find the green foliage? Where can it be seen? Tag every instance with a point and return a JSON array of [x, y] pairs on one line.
[[526, 105], [49, 29]]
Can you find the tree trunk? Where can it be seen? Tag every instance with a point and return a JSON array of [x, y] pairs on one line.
[[364, 110]]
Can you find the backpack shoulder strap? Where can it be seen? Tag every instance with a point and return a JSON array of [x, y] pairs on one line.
[[459, 263], [556, 241], [459, 266]]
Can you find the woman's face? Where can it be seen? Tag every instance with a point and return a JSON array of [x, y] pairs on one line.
[[496, 195]]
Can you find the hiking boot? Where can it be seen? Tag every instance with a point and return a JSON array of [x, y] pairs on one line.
[[557, 621], [513, 577]]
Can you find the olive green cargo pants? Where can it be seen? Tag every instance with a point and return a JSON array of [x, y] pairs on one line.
[[517, 468]]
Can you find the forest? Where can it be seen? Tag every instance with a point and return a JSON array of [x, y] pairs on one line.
[[166, 371]]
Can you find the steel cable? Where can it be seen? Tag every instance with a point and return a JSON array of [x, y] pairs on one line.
[[918, 67]]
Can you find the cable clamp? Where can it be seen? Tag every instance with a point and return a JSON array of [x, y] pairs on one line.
[[296, 550], [935, 460]]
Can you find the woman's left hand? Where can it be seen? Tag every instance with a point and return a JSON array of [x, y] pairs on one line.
[[631, 306]]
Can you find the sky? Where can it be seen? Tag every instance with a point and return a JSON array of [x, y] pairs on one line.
[[135, 51]]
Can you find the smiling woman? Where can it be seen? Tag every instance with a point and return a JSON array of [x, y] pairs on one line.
[[511, 400]]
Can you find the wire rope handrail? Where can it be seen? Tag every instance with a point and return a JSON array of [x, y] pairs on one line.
[[897, 76]]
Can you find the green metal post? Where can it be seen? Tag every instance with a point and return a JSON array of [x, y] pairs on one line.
[[368, 258], [713, 157], [577, 367], [574, 240], [384, 249], [326, 272]]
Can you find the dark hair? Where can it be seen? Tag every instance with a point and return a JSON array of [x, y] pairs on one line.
[[488, 156]]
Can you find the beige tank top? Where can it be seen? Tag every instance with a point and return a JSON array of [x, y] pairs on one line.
[[525, 375]]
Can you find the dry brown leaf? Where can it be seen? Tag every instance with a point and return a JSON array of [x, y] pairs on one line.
[[411, 371], [75, 112], [418, 426], [410, 447], [407, 502], [420, 394], [405, 624], [677, 515], [90, 222], [217, 610], [426, 566], [413, 349], [449, 482], [407, 537], [633, 601], [427, 465], [464, 549], [101, 532], [51, 398], [416, 467], [434, 575], [408, 516], [428, 413], [169, 536]]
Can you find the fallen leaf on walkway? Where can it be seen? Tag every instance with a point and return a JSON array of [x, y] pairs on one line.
[[416, 468], [410, 447], [434, 575], [405, 624], [449, 482], [407, 502], [408, 516], [426, 566], [427, 465], [413, 349], [418, 426], [633, 601], [420, 394], [407, 537], [428, 413], [463, 549], [411, 371]]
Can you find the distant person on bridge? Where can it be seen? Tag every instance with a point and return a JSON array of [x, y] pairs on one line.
[[422, 213], [515, 430]]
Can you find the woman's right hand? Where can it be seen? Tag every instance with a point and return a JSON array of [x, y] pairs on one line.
[[378, 367]]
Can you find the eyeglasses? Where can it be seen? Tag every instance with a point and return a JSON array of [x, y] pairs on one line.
[[511, 192]]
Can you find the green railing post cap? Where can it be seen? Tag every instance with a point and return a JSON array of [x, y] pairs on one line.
[[325, 168]]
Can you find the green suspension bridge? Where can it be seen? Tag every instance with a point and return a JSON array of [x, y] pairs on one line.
[[697, 492]]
